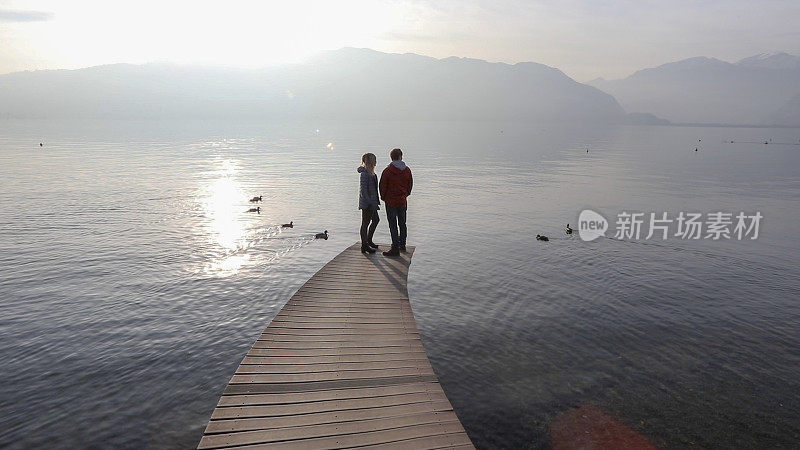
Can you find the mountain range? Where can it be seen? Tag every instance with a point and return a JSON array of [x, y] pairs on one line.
[[759, 90], [343, 84], [364, 84]]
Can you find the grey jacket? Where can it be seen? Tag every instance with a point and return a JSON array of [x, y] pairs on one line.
[[368, 190]]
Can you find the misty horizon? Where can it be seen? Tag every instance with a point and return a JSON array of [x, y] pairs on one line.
[[321, 53], [352, 83]]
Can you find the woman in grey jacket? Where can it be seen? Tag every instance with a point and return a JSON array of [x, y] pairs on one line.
[[368, 201]]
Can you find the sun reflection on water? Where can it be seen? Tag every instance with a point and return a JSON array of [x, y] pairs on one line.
[[226, 227]]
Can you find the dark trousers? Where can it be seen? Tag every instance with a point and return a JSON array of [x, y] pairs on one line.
[[367, 230], [397, 219]]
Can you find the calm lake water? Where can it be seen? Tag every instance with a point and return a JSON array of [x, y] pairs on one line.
[[132, 281]]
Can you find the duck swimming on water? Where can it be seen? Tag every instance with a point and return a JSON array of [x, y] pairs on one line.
[[322, 235], [568, 230], [539, 237], [288, 225], [258, 210], [256, 199]]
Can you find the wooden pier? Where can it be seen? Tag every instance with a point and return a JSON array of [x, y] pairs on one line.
[[341, 365]]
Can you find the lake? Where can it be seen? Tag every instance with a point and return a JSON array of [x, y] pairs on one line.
[[133, 281]]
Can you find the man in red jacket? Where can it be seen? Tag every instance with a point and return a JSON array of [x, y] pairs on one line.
[[395, 186]]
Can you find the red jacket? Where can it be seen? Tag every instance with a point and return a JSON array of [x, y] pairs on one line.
[[395, 185]]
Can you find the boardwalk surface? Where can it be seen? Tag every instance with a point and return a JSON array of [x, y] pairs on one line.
[[341, 365]]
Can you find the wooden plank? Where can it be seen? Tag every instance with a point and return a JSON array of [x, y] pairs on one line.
[[354, 328], [348, 309], [344, 281], [353, 270], [233, 412], [317, 310], [452, 441], [346, 340], [309, 386], [317, 359], [324, 430], [322, 294], [298, 342], [392, 273], [342, 325], [347, 288], [352, 304], [371, 309], [336, 351], [329, 367], [321, 320], [352, 301], [347, 312], [336, 344], [378, 306], [336, 335], [333, 394], [341, 329], [343, 284], [367, 438], [348, 306], [341, 306], [330, 276], [339, 313], [341, 365], [265, 423], [324, 376], [351, 287], [371, 261], [333, 342], [315, 314]]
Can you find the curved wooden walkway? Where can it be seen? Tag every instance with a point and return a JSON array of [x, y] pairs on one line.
[[341, 365]]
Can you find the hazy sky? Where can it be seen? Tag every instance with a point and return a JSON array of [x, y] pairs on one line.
[[585, 39]]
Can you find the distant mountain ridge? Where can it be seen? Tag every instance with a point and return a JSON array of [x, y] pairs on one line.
[[348, 83], [751, 91], [772, 61]]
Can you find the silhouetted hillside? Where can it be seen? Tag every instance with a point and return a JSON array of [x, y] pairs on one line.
[[710, 90], [347, 83]]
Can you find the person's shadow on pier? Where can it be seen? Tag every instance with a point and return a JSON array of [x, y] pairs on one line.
[[395, 269]]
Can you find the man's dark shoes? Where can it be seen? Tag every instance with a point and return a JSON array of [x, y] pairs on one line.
[[372, 244], [393, 252], [403, 248], [366, 249]]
